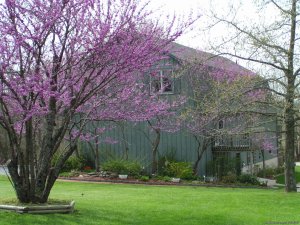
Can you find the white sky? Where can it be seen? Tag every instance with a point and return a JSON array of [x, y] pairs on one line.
[[197, 38], [183, 8]]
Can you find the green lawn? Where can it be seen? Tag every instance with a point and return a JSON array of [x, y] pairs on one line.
[[280, 178], [145, 205]]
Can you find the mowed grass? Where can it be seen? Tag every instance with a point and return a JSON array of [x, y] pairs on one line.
[[280, 178], [145, 205]]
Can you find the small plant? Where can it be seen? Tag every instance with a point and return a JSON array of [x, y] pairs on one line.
[[72, 173], [248, 179], [270, 172], [230, 178], [115, 166], [73, 163], [166, 179], [133, 168], [122, 167], [144, 178], [65, 174], [181, 170], [164, 160]]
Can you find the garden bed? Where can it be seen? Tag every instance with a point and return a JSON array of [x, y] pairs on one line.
[[39, 208], [156, 182]]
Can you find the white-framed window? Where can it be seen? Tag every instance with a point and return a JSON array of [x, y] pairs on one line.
[[162, 82], [245, 142], [220, 140]]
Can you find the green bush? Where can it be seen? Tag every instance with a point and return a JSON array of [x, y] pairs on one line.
[[248, 179], [270, 172], [162, 178], [166, 179], [144, 178], [164, 160], [122, 166], [72, 163], [133, 168], [115, 166], [72, 173], [230, 178], [181, 170]]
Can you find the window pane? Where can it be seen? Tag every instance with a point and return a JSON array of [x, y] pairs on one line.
[[167, 84], [155, 85], [221, 124], [155, 81], [167, 81], [162, 81]]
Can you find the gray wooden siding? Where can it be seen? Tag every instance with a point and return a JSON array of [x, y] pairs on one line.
[[179, 144]]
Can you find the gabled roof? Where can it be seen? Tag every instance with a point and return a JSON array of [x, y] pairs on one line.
[[191, 55]]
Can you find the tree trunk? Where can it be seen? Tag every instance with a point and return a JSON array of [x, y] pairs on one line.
[[97, 167], [37, 190], [155, 145], [289, 156], [289, 122], [96, 154], [263, 161], [200, 150], [126, 148]]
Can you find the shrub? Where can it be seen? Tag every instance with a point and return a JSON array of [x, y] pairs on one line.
[[229, 178], [133, 168], [72, 163], [72, 173], [115, 166], [248, 179], [166, 179], [270, 172], [122, 166], [181, 170], [144, 178], [164, 160]]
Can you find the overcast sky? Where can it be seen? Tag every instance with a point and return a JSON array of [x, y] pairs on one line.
[[183, 8], [247, 12]]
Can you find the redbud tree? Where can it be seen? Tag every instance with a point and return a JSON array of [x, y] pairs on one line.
[[228, 96], [64, 63]]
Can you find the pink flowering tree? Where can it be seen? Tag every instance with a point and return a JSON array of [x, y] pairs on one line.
[[64, 63], [165, 121], [140, 105], [222, 104], [136, 106]]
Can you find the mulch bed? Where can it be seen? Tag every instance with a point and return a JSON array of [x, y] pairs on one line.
[[151, 182], [117, 180]]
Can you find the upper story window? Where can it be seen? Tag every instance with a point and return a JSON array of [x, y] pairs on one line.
[[221, 124], [162, 82]]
